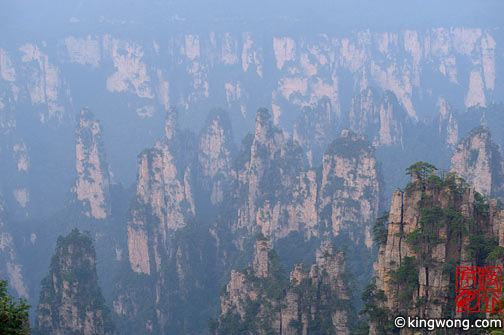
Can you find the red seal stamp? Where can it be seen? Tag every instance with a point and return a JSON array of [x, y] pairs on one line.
[[478, 289]]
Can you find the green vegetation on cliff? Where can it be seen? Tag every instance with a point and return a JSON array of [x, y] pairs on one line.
[[71, 291], [435, 225], [13, 314], [262, 300]]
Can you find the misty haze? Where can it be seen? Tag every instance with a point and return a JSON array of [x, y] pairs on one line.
[[251, 167]]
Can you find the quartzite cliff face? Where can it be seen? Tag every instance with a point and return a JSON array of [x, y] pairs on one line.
[[15, 157], [448, 125], [298, 70], [478, 160], [350, 189], [389, 81], [71, 300], [292, 71], [267, 189], [381, 119], [215, 156], [92, 186], [280, 196], [162, 223], [435, 225], [259, 300], [265, 180], [11, 267], [314, 129], [164, 198]]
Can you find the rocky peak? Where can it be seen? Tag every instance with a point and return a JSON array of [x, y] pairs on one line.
[[171, 124], [296, 275], [149, 174], [434, 225], [268, 139], [165, 178], [266, 176], [478, 160], [261, 262], [161, 223], [380, 118], [164, 202], [314, 301], [313, 130], [263, 126], [92, 186], [70, 299], [363, 110], [330, 267], [350, 190], [214, 155], [276, 195], [448, 125], [10, 265]]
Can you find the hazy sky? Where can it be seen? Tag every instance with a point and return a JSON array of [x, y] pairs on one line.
[[32, 14]]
